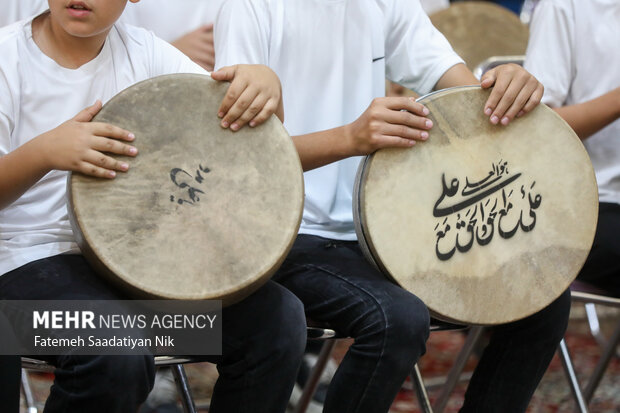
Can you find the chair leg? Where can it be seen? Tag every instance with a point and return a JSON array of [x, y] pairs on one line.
[[595, 327], [315, 376], [567, 363], [27, 390], [183, 388], [608, 352], [594, 324], [420, 390], [473, 337]]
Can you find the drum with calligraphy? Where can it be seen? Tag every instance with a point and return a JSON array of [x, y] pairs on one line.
[[486, 224]]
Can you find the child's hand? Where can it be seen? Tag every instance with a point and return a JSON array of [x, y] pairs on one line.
[[515, 92], [388, 122], [79, 145], [253, 95]]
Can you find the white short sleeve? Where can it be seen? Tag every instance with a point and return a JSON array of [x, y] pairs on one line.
[[6, 126], [7, 104], [247, 46], [417, 54], [549, 54], [168, 59]]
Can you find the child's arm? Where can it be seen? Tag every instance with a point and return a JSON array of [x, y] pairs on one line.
[[76, 145], [400, 122], [589, 117], [390, 122], [254, 95]]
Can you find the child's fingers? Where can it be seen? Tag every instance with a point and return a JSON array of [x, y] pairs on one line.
[[519, 102], [388, 141], [103, 161], [533, 101], [405, 132], [207, 27], [268, 109], [207, 63], [87, 114], [225, 73], [250, 111], [406, 118], [204, 48], [509, 97], [405, 103], [488, 78], [232, 95], [107, 130], [88, 168], [496, 95], [241, 104], [102, 144], [205, 60]]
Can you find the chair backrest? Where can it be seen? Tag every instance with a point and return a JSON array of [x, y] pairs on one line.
[[587, 293], [494, 61]]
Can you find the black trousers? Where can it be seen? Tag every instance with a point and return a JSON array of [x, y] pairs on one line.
[[602, 267], [263, 338], [9, 382]]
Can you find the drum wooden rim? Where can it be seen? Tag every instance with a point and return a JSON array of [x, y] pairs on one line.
[[380, 234], [227, 183]]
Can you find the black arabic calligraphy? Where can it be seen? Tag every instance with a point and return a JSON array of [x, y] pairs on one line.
[[481, 210]]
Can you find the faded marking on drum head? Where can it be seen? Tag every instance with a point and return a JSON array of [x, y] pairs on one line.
[[447, 294], [481, 209], [179, 178], [447, 129]]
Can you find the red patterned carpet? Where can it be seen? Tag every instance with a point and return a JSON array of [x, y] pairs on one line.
[[553, 394]]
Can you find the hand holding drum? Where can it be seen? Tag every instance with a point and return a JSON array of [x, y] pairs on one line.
[[203, 212], [486, 224]]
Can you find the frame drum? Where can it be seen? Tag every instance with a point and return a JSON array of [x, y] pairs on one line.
[[478, 30], [486, 224], [203, 212]]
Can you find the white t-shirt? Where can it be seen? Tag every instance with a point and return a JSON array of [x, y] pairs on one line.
[[332, 58], [16, 10], [432, 6], [573, 51], [171, 19], [37, 95]]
